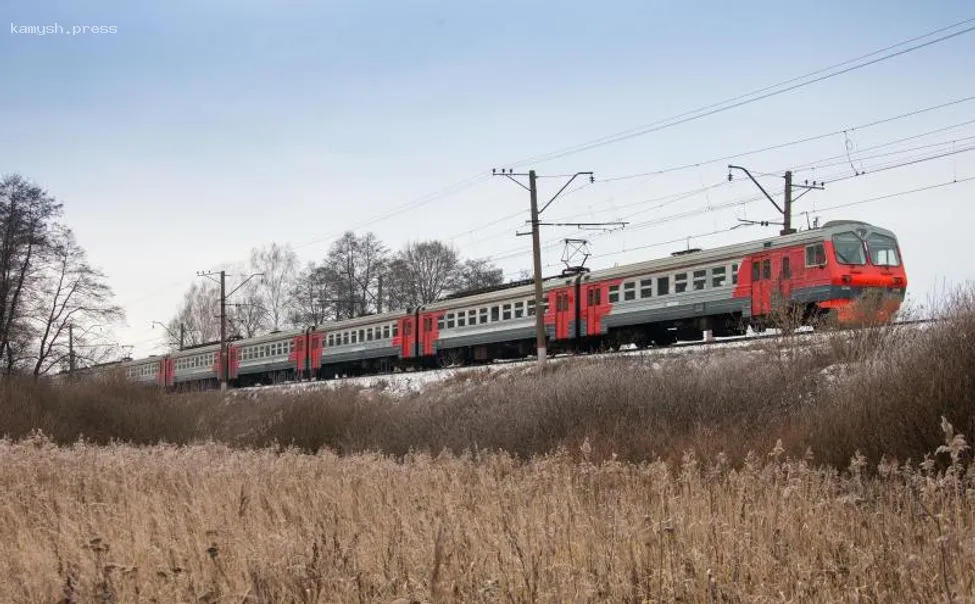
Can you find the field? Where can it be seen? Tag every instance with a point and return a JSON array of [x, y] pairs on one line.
[[814, 470]]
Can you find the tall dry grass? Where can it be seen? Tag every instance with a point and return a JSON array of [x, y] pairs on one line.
[[207, 523]]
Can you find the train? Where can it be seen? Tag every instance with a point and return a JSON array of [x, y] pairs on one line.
[[811, 275]]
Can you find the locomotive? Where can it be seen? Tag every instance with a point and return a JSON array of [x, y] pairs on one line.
[[814, 274]]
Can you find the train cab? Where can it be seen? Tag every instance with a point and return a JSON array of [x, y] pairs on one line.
[[865, 266]]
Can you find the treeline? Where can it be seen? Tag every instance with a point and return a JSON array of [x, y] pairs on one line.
[[358, 276], [50, 296]]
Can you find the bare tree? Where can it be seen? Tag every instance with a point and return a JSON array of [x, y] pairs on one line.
[[476, 273], [354, 265], [27, 214], [199, 315], [311, 299], [247, 314], [71, 293], [420, 273], [280, 267]]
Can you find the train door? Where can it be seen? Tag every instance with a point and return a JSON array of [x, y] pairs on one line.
[[298, 355], [784, 289], [407, 336], [592, 309], [564, 313], [761, 284], [429, 332], [316, 347]]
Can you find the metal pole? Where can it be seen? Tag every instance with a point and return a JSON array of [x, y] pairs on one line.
[[223, 332], [379, 296], [787, 206], [182, 332], [71, 349], [537, 253]]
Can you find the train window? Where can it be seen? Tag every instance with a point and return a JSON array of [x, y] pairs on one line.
[[461, 319], [472, 317], [369, 334], [646, 288], [450, 320], [848, 248], [530, 308], [680, 283], [495, 313], [756, 271], [663, 286], [766, 269], [505, 312], [815, 255], [330, 340], [362, 335], [395, 330], [700, 279], [629, 290], [786, 269], [386, 329], [883, 250], [614, 294], [718, 276], [484, 316], [519, 309], [345, 338], [354, 339], [734, 274]]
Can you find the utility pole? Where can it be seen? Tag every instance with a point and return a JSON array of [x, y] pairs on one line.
[[224, 365], [786, 209], [379, 295], [224, 361], [532, 188], [537, 260], [71, 362]]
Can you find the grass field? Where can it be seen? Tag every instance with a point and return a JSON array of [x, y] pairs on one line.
[[206, 523], [820, 471]]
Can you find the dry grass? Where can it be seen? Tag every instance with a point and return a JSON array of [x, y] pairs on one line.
[[778, 472], [207, 523]]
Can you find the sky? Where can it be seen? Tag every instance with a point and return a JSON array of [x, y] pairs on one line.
[[191, 132]]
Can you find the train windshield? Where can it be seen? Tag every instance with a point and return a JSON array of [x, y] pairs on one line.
[[848, 248], [883, 250]]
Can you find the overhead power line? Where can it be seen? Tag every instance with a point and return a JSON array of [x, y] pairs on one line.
[[762, 93], [410, 205], [826, 209], [792, 143]]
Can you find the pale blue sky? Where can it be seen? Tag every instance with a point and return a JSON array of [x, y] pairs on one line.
[[202, 129]]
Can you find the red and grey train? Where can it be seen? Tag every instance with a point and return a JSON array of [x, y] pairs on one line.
[[821, 271]]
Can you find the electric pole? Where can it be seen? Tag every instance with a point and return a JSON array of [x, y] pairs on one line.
[[224, 361], [537, 259], [224, 365], [71, 362], [532, 188], [786, 209]]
